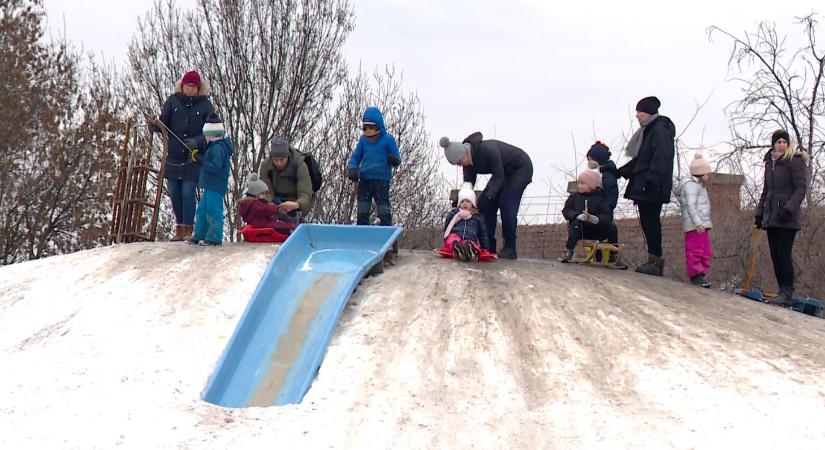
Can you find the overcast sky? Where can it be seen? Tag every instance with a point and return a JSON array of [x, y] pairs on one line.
[[536, 74]]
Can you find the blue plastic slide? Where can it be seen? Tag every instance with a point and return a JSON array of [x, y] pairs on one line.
[[279, 343]]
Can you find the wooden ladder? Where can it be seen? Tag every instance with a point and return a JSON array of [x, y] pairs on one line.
[[132, 197]]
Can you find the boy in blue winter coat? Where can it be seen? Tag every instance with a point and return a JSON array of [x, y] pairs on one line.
[[213, 180], [371, 166]]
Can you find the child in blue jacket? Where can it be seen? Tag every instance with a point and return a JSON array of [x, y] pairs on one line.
[[213, 180], [371, 166]]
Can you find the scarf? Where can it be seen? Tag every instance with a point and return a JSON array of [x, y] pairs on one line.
[[462, 214], [635, 142]]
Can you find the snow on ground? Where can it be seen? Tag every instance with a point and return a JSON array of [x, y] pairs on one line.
[[112, 348]]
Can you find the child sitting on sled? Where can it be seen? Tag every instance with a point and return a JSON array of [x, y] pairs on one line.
[[464, 230], [258, 212], [590, 215]]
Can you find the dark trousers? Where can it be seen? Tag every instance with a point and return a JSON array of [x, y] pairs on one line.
[[182, 194], [586, 230], [380, 191], [651, 220], [508, 201], [780, 240]]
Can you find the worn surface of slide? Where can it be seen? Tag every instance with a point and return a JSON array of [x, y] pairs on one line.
[[281, 338]]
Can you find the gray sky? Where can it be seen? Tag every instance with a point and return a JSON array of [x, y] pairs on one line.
[[535, 74]]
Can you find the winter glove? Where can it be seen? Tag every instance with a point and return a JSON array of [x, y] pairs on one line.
[[352, 174], [784, 214], [465, 214], [583, 217], [700, 228], [195, 155], [758, 221], [393, 160], [191, 144], [593, 219]]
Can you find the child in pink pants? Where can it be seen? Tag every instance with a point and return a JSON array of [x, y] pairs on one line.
[[695, 203]]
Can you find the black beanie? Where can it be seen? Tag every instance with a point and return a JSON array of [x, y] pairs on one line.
[[649, 105], [780, 134], [599, 152]]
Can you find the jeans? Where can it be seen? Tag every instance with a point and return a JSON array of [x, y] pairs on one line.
[[182, 195], [209, 218], [508, 201], [380, 191]]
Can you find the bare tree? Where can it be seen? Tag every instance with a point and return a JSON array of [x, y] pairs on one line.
[[418, 192], [56, 162], [782, 88]]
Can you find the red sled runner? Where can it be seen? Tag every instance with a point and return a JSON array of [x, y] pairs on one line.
[[261, 234], [483, 255]]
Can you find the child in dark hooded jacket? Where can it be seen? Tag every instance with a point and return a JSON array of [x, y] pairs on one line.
[[590, 216], [600, 154], [257, 211], [464, 230]]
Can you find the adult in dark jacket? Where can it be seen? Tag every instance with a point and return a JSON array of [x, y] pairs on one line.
[[779, 209], [590, 215], [287, 177], [183, 115], [650, 174], [511, 170]]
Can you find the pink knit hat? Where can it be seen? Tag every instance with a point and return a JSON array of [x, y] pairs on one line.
[[699, 166], [591, 179]]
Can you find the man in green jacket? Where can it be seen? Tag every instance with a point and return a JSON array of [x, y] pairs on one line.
[[287, 177]]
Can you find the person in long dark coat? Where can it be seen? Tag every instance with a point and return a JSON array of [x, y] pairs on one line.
[[650, 174], [780, 209], [183, 115], [511, 170]]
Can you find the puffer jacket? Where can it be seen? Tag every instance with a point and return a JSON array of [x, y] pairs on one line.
[[595, 203], [650, 173], [508, 165], [695, 203], [610, 181], [786, 181], [216, 166], [472, 229], [185, 117], [370, 156], [291, 184], [262, 214]]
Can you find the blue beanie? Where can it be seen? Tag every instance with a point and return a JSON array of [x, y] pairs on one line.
[[599, 152]]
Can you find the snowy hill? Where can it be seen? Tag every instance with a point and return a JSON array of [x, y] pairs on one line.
[[113, 347]]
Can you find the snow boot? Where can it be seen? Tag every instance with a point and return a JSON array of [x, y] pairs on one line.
[[458, 251], [470, 251], [705, 282], [696, 280], [614, 261], [178, 234], [785, 297], [205, 243], [192, 242], [655, 266], [187, 231], [508, 252], [568, 256]]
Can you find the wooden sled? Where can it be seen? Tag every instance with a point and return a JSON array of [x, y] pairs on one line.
[[586, 252]]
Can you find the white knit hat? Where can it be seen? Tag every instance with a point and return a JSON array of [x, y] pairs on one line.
[[467, 193]]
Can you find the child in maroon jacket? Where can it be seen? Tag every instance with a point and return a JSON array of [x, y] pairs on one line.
[[258, 212]]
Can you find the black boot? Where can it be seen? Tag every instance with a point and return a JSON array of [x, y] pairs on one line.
[[696, 280], [458, 251], [568, 256], [655, 266], [508, 252], [705, 282], [470, 251]]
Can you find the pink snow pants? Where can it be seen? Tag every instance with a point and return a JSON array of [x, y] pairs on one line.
[[698, 252]]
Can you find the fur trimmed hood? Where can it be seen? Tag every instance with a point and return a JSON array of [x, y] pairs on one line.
[[204, 91]]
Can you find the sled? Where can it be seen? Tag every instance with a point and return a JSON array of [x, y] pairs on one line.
[[586, 252], [483, 255], [261, 234], [805, 305]]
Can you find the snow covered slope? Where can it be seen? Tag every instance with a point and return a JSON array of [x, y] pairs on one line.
[[113, 347]]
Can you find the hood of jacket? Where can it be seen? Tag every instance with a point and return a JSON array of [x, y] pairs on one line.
[[373, 114], [796, 154], [204, 91], [609, 166], [474, 140], [682, 182], [664, 122]]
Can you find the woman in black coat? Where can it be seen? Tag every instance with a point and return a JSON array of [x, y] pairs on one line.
[[779, 209], [511, 170], [650, 175], [183, 115]]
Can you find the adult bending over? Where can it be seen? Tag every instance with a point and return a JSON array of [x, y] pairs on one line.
[[511, 170]]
